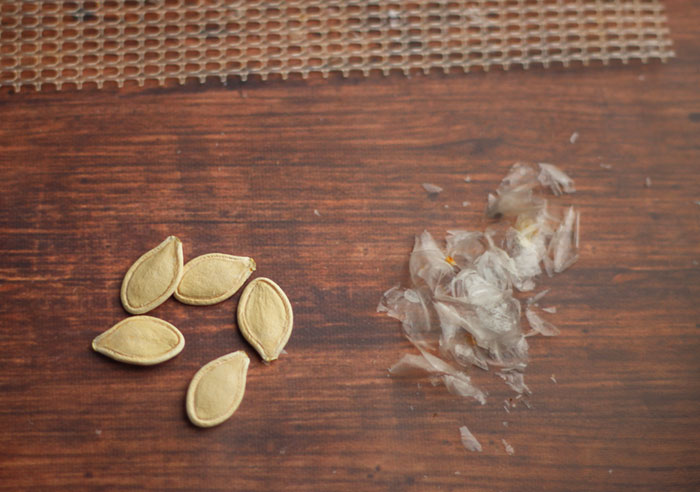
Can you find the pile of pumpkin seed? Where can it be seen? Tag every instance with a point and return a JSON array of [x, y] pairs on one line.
[[264, 317]]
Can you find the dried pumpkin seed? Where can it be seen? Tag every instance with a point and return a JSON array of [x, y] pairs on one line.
[[265, 317], [141, 340], [217, 389], [153, 277], [213, 278]]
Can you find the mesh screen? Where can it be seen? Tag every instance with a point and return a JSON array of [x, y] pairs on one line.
[[63, 42]]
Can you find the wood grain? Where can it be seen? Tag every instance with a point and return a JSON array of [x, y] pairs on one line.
[[90, 180]]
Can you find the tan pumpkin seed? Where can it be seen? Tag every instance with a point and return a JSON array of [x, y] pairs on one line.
[[265, 317], [141, 340], [213, 278], [217, 389], [153, 277]]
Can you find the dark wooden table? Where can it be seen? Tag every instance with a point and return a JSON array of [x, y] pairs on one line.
[[89, 180]]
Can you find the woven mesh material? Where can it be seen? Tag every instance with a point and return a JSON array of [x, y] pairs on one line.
[[77, 42]]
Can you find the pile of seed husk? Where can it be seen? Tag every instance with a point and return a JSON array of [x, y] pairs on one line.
[[460, 311], [264, 317]]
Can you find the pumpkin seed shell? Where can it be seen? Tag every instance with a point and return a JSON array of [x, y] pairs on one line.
[[213, 278], [265, 317], [141, 340], [217, 389], [153, 277]]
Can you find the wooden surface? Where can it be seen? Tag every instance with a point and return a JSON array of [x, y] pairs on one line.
[[90, 180]]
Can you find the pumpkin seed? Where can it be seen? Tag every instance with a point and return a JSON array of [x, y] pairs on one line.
[[141, 340], [265, 317], [213, 278], [217, 389], [153, 277]]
